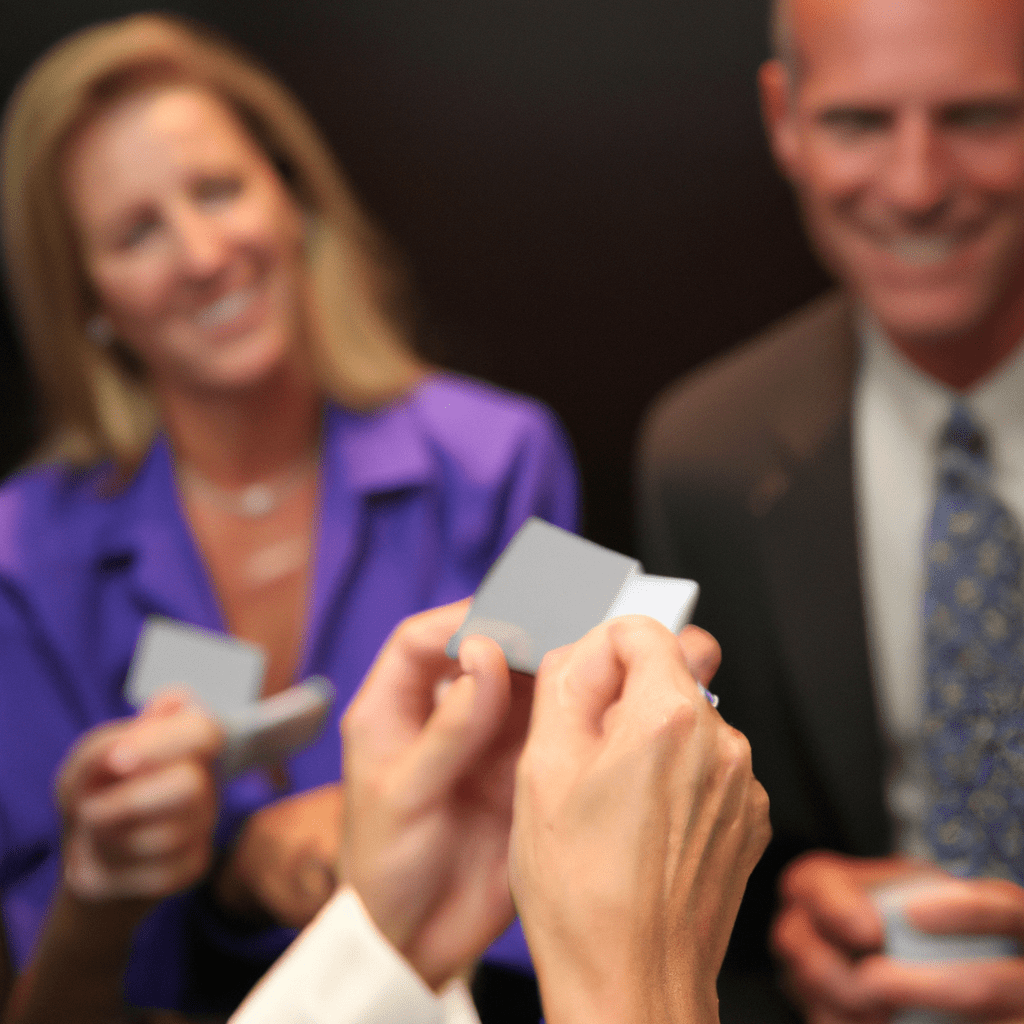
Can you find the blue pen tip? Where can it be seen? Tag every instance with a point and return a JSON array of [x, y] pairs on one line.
[[712, 697]]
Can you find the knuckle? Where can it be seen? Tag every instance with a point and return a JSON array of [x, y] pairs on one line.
[[416, 633], [671, 720], [736, 751], [760, 807], [802, 873], [779, 936], [632, 632]]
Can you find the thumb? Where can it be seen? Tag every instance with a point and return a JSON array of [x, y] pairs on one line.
[[469, 716]]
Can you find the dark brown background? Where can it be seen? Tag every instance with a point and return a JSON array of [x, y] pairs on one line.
[[580, 186]]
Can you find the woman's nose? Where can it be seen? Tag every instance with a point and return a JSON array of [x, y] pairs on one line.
[[202, 243]]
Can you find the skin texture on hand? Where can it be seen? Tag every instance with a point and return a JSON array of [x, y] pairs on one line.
[[829, 936], [637, 823], [284, 864], [430, 794]]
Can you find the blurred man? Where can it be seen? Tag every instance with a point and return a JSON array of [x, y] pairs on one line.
[[634, 822], [847, 487]]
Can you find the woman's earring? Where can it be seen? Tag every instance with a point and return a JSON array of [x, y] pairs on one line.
[[100, 331]]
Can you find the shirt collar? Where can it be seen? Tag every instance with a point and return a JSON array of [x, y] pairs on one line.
[[922, 404], [377, 452]]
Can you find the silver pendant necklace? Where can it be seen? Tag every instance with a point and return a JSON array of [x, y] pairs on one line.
[[253, 501]]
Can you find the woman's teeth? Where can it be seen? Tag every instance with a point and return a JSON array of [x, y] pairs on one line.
[[225, 309]]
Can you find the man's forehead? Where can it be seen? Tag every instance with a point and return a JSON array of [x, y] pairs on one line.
[[923, 45]]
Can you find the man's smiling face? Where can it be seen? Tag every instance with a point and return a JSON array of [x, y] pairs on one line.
[[901, 126]]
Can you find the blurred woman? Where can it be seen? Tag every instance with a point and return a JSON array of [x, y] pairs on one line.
[[236, 434]]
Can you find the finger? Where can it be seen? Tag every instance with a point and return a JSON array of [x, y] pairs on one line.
[[835, 897], [148, 840], [183, 786], [92, 873], [820, 973], [162, 877], [577, 685], [143, 842], [167, 702], [701, 652], [397, 696], [156, 738], [86, 763], [465, 722], [983, 990], [967, 906]]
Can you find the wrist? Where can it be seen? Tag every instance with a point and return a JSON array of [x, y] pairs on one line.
[[78, 968], [580, 989], [85, 916], [234, 894]]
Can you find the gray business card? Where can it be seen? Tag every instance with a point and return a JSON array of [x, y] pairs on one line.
[[224, 674], [549, 588]]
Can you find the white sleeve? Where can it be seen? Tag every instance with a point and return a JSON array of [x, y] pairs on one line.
[[341, 970]]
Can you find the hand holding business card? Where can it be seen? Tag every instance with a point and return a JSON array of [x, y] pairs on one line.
[[549, 588], [226, 675]]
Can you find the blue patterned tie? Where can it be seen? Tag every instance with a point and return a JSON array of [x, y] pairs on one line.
[[974, 629]]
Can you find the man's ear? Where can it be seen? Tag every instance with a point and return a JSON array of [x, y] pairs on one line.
[[778, 111]]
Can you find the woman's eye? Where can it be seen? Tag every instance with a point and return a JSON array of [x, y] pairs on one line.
[[215, 190], [137, 232]]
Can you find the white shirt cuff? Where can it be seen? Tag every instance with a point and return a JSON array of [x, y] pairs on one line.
[[341, 970]]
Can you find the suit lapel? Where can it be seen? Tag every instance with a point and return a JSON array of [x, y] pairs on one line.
[[812, 570], [813, 573]]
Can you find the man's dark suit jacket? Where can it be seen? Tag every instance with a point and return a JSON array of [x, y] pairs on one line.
[[745, 484]]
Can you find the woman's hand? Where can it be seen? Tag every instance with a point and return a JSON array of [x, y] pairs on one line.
[[139, 802], [285, 861]]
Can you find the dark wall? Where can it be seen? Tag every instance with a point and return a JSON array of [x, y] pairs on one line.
[[580, 186]]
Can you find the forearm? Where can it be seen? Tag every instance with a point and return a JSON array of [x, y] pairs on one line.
[[284, 865], [77, 973]]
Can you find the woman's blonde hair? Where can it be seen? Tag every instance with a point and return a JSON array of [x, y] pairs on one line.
[[95, 404]]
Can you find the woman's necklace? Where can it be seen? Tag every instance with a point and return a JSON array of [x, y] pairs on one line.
[[253, 501]]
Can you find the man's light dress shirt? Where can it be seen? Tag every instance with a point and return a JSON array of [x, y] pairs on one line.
[[341, 970], [899, 415]]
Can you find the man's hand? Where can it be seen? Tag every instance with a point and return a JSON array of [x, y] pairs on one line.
[[829, 935], [430, 751], [637, 823], [284, 862], [139, 802]]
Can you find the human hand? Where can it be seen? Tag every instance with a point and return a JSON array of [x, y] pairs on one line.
[[429, 775], [139, 803], [829, 935], [637, 823], [284, 861]]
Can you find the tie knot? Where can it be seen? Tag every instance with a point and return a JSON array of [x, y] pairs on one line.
[[963, 457], [963, 433]]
